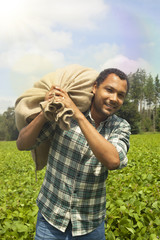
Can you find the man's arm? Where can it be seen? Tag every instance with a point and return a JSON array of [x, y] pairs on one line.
[[103, 150], [28, 135]]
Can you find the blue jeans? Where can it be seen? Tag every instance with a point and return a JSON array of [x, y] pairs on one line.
[[45, 231]]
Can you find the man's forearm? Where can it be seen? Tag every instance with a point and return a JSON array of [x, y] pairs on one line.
[[28, 135], [104, 151]]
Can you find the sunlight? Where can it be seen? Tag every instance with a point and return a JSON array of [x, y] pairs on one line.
[[10, 11]]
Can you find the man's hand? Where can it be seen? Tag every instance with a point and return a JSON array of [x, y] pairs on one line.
[[50, 94], [62, 96]]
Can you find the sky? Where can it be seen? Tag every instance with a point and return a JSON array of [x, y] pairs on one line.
[[39, 36]]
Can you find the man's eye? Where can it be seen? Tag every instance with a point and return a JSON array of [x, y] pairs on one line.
[[121, 95], [109, 90]]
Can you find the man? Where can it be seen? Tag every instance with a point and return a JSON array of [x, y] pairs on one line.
[[72, 198]]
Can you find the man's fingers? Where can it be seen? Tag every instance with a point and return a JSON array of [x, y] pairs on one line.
[[56, 92], [53, 87]]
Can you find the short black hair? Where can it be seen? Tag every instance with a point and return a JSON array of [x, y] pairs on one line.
[[104, 74]]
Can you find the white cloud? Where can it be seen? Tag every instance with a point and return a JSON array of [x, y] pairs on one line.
[[149, 45], [70, 13], [127, 65], [31, 67], [36, 63], [95, 55], [80, 14], [24, 19], [43, 26], [45, 46]]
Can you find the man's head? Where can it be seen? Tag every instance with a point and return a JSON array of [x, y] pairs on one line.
[[109, 91], [104, 74]]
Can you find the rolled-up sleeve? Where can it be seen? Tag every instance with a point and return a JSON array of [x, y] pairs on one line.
[[46, 133], [120, 139]]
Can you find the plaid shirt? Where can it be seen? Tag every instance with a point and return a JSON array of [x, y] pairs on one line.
[[74, 187]]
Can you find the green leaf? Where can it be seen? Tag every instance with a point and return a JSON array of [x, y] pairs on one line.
[[119, 202], [144, 176], [110, 236], [157, 221], [155, 205], [139, 224], [153, 237], [122, 209], [130, 230], [21, 227]]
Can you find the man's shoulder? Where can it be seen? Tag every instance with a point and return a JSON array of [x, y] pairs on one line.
[[116, 120]]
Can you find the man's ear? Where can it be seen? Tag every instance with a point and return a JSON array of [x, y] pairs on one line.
[[94, 88]]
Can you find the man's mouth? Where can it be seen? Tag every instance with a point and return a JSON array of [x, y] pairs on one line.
[[110, 106]]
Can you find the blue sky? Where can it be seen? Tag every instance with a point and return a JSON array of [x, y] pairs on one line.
[[39, 36]]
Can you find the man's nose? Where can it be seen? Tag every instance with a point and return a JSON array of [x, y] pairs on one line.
[[114, 97]]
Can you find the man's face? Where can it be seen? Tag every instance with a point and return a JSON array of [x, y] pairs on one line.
[[108, 97]]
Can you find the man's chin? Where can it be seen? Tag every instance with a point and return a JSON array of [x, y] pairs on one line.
[[109, 112]]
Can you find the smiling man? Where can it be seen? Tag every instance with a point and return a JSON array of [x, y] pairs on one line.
[[72, 198], [108, 95]]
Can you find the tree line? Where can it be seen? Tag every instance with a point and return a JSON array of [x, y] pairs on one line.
[[141, 107]]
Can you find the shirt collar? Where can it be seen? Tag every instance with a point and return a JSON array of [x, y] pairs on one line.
[[88, 114]]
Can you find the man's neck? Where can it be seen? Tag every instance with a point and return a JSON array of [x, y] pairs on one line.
[[96, 118]]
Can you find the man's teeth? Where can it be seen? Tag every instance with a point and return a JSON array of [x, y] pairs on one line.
[[109, 106]]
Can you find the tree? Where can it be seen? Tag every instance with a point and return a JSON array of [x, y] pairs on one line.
[[130, 113], [157, 89], [145, 93], [157, 122], [2, 128], [156, 97], [9, 127], [149, 91], [137, 83]]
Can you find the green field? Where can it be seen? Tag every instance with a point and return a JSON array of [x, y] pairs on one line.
[[133, 194]]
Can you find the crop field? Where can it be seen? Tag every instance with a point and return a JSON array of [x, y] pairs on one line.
[[133, 193]]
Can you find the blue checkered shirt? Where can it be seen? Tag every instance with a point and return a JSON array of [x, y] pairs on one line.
[[74, 187]]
